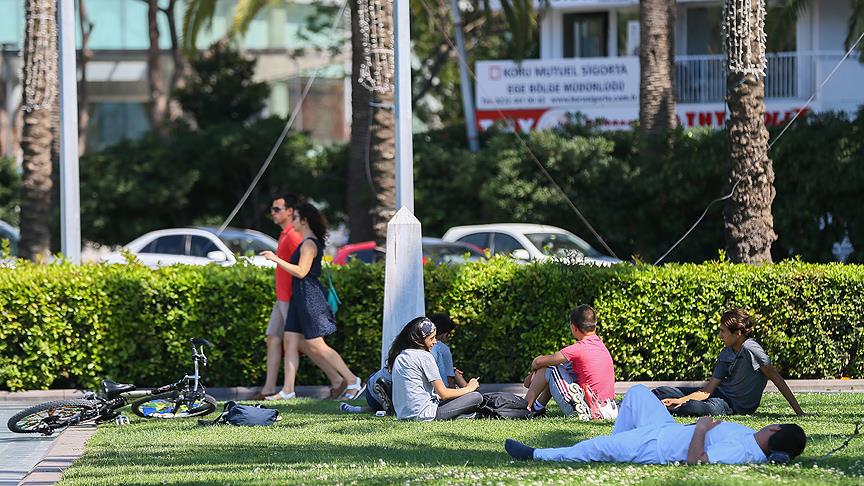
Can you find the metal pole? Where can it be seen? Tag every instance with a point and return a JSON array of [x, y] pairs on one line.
[[70, 215], [467, 97], [402, 106]]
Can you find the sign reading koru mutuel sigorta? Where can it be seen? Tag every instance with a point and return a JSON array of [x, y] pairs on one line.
[[542, 83]]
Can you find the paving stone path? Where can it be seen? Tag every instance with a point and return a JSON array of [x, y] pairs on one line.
[[18, 452]]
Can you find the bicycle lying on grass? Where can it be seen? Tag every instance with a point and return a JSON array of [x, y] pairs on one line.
[[186, 398]]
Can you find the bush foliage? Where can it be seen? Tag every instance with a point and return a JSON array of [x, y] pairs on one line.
[[64, 326]]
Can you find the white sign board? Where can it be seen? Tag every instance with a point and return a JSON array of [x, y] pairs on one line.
[[540, 83]]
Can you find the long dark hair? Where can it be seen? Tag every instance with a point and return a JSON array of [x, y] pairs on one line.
[[411, 337], [316, 220]]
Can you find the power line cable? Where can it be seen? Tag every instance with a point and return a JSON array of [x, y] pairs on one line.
[[284, 133]]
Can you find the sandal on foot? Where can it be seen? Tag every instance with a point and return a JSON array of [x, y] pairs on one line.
[[353, 391], [281, 396], [337, 391]]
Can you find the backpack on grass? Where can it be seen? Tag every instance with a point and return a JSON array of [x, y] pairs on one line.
[[245, 415], [503, 405]]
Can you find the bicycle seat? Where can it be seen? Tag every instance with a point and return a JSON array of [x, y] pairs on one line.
[[112, 389]]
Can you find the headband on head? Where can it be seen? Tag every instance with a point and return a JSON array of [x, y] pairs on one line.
[[427, 327]]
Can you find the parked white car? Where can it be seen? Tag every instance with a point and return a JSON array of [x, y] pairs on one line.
[[528, 242], [198, 246]]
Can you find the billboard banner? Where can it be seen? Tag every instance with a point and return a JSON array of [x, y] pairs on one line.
[[622, 118], [543, 83]]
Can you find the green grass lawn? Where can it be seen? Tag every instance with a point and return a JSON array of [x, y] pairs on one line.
[[315, 444]]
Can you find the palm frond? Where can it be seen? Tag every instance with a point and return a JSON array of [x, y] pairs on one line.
[[198, 14], [523, 24], [856, 28], [781, 19], [244, 12]]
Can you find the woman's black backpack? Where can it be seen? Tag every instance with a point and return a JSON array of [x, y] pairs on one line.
[[503, 405]]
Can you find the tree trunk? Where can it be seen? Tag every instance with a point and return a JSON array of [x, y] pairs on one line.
[[158, 98], [656, 67], [85, 55], [359, 194], [382, 152], [748, 220], [181, 67], [40, 92]]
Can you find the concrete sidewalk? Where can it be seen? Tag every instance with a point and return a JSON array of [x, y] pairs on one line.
[[248, 393], [18, 452]]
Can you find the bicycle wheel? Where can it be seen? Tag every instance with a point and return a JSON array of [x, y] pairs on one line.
[[49, 416], [168, 406]]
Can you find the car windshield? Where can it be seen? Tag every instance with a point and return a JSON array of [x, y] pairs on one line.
[[247, 244], [450, 253], [561, 245]]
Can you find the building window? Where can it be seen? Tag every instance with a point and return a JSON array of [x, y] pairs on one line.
[[628, 32], [704, 30], [585, 35], [112, 122]]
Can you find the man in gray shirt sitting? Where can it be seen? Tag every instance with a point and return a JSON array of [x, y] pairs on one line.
[[736, 386]]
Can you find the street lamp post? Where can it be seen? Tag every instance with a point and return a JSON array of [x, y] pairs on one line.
[[70, 215]]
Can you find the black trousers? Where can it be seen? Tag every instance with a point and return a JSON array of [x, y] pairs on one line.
[[716, 404], [451, 409]]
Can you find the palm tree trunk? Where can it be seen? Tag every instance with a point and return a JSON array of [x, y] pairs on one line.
[[40, 89], [657, 67], [156, 85], [748, 219], [359, 195], [383, 157]]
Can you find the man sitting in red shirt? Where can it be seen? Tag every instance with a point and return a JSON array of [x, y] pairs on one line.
[[581, 377]]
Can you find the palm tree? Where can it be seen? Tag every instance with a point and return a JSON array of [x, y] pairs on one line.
[[656, 67], [748, 219], [40, 92]]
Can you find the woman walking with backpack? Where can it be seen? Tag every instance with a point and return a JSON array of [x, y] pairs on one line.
[[309, 315], [418, 390]]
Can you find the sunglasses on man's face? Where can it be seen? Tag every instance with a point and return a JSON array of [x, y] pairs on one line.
[[276, 209]]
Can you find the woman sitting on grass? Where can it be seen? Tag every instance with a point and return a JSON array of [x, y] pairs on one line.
[[743, 369], [418, 391]]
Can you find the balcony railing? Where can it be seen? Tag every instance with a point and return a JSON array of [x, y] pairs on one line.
[[702, 79]]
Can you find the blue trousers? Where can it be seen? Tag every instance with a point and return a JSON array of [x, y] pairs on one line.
[[715, 405]]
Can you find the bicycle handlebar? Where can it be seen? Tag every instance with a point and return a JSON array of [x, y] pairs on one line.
[[201, 341]]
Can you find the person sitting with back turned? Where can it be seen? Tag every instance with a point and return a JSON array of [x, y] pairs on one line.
[[581, 377], [646, 433], [736, 386]]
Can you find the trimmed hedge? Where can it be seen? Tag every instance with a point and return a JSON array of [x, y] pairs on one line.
[[63, 325]]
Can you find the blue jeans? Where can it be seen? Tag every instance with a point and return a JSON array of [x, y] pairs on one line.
[[455, 407], [715, 405]]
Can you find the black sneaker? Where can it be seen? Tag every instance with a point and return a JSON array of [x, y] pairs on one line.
[[518, 450]]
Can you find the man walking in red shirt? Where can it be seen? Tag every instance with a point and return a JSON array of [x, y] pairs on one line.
[[282, 212]]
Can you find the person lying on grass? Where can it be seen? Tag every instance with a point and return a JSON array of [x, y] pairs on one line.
[[418, 392], [581, 377], [736, 386], [646, 433]]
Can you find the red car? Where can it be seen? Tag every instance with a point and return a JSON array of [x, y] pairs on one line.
[[434, 249]]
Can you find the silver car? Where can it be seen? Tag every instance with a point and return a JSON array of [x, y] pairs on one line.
[[198, 246]]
